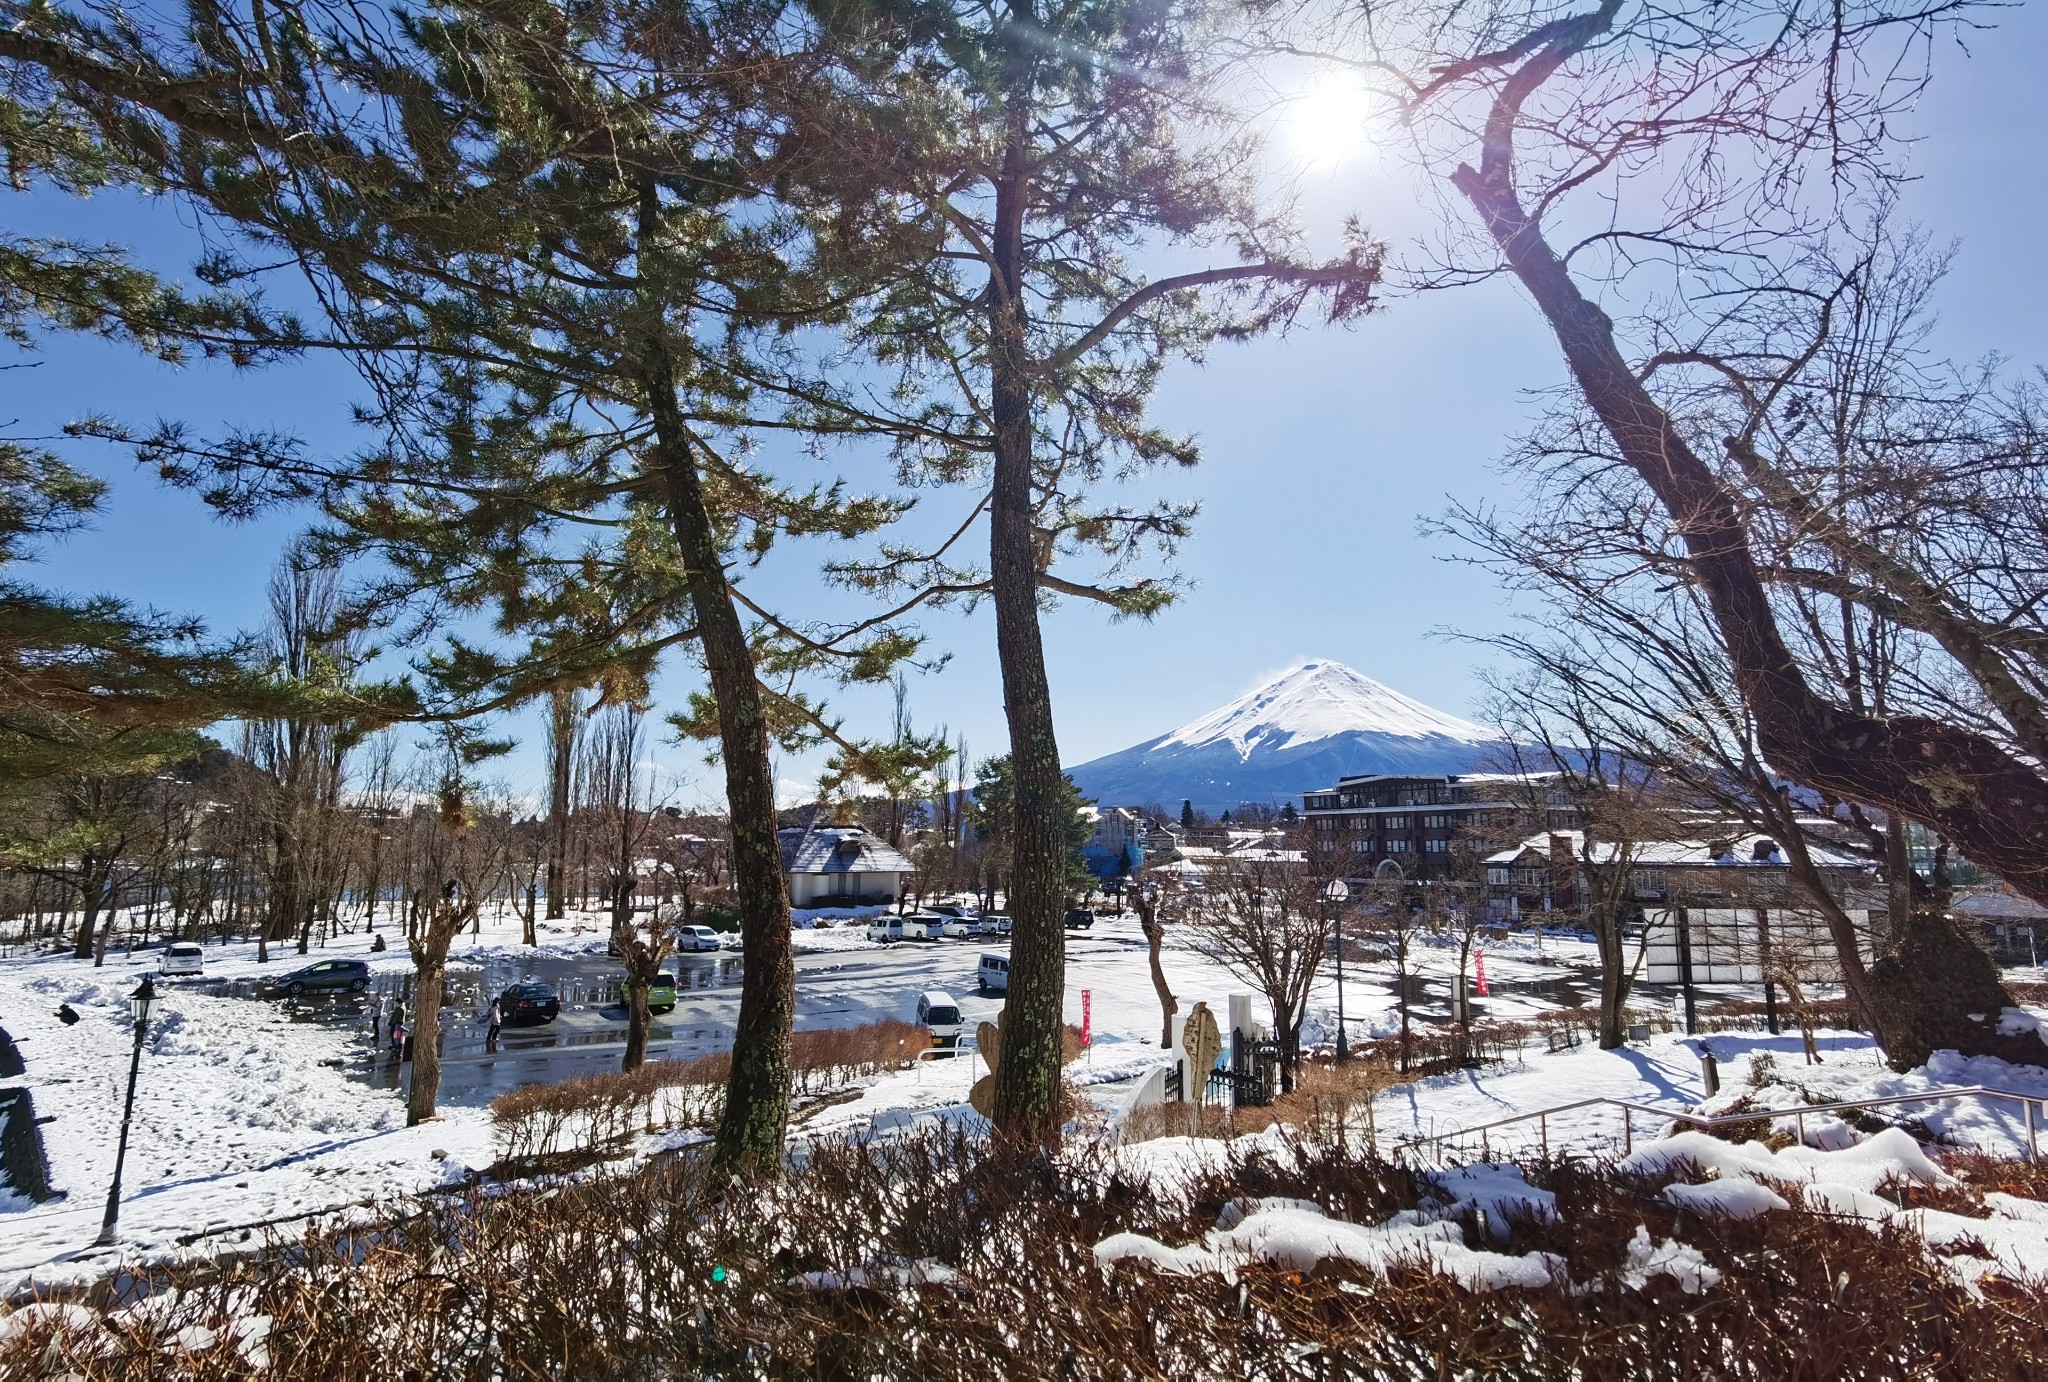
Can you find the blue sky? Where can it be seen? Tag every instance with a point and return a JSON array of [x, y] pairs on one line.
[[1323, 451]]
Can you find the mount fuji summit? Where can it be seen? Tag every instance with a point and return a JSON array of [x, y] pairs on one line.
[[1302, 730]]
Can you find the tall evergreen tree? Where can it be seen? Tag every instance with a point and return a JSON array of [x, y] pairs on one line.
[[1029, 153], [537, 233]]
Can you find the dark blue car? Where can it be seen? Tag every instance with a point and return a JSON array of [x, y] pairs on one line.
[[328, 976]]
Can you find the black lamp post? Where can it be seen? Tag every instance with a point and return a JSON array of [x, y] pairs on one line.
[[1336, 892], [142, 1006]]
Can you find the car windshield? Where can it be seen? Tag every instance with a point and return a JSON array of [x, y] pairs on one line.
[[943, 1016]]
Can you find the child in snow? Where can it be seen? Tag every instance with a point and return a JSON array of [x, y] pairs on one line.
[[492, 1021]]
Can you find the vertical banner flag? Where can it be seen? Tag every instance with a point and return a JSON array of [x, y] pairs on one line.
[[1479, 971], [1087, 996]]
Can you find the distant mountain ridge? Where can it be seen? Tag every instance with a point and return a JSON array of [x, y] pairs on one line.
[[1302, 730]]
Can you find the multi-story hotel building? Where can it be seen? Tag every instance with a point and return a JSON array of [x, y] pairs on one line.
[[1437, 826]]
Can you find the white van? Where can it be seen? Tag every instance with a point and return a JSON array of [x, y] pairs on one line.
[[182, 957], [937, 1010], [993, 973], [923, 926], [885, 929]]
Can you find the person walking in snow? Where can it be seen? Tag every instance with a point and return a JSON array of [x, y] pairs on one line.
[[492, 1021]]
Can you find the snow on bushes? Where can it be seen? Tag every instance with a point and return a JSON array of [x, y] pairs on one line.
[[1296, 1235]]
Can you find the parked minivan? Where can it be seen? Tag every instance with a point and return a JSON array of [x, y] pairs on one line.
[[697, 938], [993, 973], [937, 1010], [886, 929], [923, 926], [182, 957]]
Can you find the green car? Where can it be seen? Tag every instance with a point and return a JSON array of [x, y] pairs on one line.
[[661, 994]]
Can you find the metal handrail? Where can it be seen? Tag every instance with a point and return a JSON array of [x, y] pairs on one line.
[[1630, 1108]]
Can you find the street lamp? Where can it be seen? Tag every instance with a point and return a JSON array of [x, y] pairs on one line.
[[1336, 892], [142, 1007]]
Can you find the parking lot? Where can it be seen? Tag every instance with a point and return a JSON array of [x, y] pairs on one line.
[[838, 988]]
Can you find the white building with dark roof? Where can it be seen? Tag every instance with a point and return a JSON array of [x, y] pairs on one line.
[[835, 866]]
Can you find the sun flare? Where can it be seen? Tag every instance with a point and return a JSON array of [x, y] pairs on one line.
[[1326, 125]]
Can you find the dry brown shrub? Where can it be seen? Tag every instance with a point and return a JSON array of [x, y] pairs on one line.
[[591, 1115], [2026, 1179], [613, 1278], [827, 1059]]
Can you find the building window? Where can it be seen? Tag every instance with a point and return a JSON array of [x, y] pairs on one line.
[[1395, 822], [1326, 846], [1437, 822], [1361, 846], [1397, 846], [1474, 845], [1436, 846]]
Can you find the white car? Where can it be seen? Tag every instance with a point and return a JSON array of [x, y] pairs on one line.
[[182, 957], [923, 926], [697, 938], [956, 928], [885, 929]]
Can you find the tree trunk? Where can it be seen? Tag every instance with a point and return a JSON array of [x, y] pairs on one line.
[[430, 961], [636, 1024], [425, 1036], [1898, 883], [1992, 806], [1613, 985], [1155, 936], [561, 746], [1028, 1076], [89, 901], [105, 907], [757, 1093]]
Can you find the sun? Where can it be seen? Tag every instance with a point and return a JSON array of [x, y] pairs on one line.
[[1325, 125]]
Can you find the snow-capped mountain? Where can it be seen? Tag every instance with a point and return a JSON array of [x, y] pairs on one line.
[[1302, 730]]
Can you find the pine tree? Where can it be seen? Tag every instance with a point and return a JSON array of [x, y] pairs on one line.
[[1024, 157], [540, 237]]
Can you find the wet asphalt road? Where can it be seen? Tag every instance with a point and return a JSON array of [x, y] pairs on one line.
[[833, 990]]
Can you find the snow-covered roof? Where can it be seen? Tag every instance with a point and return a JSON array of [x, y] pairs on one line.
[[1460, 779], [2000, 906], [836, 849], [1726, 851]]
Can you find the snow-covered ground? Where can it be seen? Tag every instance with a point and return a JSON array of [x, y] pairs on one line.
[[237, 1119], [245, 1116]]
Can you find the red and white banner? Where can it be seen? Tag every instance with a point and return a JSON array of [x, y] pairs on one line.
[[1087, 997], [1479, 971]]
